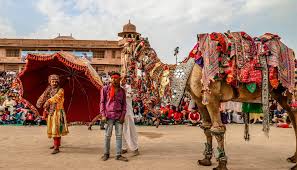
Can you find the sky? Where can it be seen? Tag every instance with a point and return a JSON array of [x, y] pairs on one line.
[[166, 23]]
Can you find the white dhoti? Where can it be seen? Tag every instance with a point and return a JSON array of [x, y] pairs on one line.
[[130, 138]]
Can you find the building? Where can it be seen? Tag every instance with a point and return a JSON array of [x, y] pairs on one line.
[[105, 55]]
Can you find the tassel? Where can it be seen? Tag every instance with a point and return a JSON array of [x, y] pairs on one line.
[[204, 98], [246, 126], [294, 102]]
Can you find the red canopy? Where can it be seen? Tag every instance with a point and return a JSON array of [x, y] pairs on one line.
[[79, 80]]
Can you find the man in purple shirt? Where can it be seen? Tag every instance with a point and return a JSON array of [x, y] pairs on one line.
[[113, 109]]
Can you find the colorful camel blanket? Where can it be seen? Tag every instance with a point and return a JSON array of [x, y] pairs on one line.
[[281, 57], [235, 57]]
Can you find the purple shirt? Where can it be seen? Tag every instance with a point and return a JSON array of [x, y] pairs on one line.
[[113, 109]]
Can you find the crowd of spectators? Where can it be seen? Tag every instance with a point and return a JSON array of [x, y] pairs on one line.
[[12, 111], [166, 114]]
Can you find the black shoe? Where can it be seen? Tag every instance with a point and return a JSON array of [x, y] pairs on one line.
[[121, 158], [135, 153], [124, 151], [90, 128], [105, 157], [55, 151]]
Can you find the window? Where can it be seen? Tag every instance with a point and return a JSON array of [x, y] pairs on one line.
[[113, 54], [118, 56], [98, 54], [99, 68], [12, 67], [12, 52]]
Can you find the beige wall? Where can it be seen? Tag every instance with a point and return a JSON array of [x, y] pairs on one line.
[[108, 58], [2, 67], [2, 52], [105, 68], [108, 62], [46, 43], [110, 68], [4, 59]]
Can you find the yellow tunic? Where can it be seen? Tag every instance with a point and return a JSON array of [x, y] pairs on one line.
[[56, 122]]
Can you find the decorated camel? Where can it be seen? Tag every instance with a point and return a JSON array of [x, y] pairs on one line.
[[221, 67]]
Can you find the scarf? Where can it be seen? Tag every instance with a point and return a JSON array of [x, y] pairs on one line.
[[111, 93]]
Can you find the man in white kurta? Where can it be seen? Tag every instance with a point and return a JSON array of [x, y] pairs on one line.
[[130, 138], [9, 103]]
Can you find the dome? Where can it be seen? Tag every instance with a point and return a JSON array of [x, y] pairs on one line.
[[129, 27], [129, 30]]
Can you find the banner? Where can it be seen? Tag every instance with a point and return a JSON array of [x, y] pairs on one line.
[[87, 55]]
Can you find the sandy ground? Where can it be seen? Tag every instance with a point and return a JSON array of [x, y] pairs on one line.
[[168, 147]]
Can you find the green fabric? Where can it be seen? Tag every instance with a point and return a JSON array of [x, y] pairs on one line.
[[251, 87], [252, 108], [62, 120], [11, 125]]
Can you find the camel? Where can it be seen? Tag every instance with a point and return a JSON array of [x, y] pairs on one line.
[[138, 50]]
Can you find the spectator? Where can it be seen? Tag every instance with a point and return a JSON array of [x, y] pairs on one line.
[[5, 118], [29, 119], [12, 117], [2, 97], [177, 117], [163, 113], [171, 112], [1, 114], [18, 116], [194, 117], [9, 98], [10, 103], [40, 120], [19, 104], [285, 124], [137, 116]]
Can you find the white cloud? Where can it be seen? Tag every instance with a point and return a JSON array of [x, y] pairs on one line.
[[252, 6], [167, 23], [6, 29], [162, 21]]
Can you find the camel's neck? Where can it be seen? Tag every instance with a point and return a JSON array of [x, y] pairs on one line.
[[157, 73], [152, 66], [150, 62]]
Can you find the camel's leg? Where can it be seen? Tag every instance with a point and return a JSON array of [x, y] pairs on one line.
[[293, 118], [206, 125], [213, 109], [218, 130], [282, 100], [195, 87], [222, 158]]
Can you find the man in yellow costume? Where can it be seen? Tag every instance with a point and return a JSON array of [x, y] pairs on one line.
[[52, 101]]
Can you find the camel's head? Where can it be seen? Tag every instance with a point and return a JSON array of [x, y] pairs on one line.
[[137, 49]]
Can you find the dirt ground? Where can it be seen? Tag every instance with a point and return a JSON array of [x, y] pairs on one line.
[[168, 147]]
